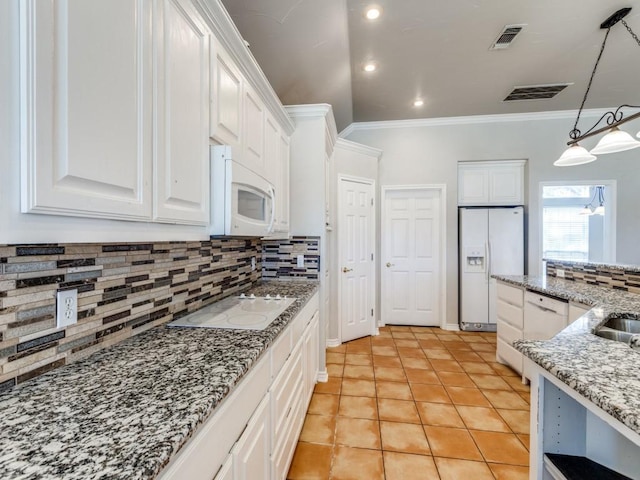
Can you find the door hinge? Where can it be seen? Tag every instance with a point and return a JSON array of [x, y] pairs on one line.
[[372, 202], [372, 312], [372, 257]]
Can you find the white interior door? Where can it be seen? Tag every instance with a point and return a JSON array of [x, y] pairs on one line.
[[411, 256], [356, 241]]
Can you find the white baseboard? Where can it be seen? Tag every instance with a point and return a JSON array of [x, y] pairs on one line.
[[323, 376], [333, 342], [453, 327]]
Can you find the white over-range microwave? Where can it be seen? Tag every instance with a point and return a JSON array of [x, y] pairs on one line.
[[242, 202]]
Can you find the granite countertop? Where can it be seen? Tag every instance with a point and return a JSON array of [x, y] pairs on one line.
[[603, 371], [122, 413]]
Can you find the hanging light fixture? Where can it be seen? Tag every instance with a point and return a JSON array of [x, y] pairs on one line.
[[595, 207], [615, 140]]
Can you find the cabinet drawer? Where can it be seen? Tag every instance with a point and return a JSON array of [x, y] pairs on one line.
[[510, 313], [511, 295], [280, 351], [284, 390], [508, 333], [508, 355], [543, 302], [285, 445]]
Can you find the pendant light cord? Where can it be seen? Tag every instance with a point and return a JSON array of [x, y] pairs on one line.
[[575, 133]]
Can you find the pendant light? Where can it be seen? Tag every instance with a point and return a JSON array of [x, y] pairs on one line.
[[615, 140], [593, 208]]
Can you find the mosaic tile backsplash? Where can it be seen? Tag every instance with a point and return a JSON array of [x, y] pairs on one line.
[[123, 289], [618, 277], [279, 258]]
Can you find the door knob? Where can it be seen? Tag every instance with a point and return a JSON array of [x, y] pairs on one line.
[[389, 265], [346, 270]]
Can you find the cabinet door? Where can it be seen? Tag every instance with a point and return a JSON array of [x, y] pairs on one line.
[[254, 121], [576, 310], [226, 100], [271, 153], [226, 471], [251, 453], [473, 185], [505, 185], [86, 108], [311, 356], [182, 160]]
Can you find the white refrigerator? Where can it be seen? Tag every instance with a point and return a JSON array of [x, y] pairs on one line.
[[491, 242]]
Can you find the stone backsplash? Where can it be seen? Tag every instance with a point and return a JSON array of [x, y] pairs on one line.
[[123, 289], [619, 277], [279, 258]]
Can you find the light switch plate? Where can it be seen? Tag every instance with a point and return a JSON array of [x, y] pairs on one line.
[[560, 273], [67, 308]]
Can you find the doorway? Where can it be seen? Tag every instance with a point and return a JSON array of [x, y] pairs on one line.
[[356, 244], [413, 255]]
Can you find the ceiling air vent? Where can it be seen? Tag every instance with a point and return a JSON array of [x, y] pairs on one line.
[[536, 92], [507, 36]]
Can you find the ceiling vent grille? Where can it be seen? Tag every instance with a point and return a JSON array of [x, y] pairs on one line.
[[507, 36], [536, 92]]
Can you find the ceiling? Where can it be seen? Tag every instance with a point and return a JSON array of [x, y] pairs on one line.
[[312, 51]]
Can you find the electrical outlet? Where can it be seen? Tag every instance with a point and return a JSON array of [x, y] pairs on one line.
[[67, 308], [560, 273], [253, 263], [300, 263]]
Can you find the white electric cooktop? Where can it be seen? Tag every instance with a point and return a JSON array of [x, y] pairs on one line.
[[244, 312]]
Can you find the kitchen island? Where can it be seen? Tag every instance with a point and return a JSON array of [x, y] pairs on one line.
[[586, 389], [124, 413]]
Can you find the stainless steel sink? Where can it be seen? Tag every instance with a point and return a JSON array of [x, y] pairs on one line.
[[631, 325], [620, 329]]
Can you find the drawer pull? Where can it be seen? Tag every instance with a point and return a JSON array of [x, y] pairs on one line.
[[288, 411]]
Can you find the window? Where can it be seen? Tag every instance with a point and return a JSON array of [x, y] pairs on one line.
[[570, 229]]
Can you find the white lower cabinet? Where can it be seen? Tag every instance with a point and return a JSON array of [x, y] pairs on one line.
[[543, 316], [251, 453], [253, 434], [510, 324], [312, 356], [226, 471], [527, 315]]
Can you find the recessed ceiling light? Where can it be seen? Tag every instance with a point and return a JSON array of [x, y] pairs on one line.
[[418, 102], [369, 67], [373, 12]]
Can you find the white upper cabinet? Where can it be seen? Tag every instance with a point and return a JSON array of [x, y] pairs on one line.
[[226, 100], [491, 183], [271, 150], [254, 120], [283, 185], [182, 72], [86, 132]]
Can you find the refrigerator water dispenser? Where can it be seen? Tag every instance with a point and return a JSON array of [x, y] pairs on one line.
[[474, 259]]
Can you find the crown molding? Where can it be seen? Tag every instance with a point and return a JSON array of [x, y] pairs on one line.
[[358, 148], [317, 110], [471, 119], [227, 34]]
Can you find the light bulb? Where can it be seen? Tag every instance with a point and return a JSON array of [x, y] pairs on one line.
[[373, 13], [418, 102], [370, 67]]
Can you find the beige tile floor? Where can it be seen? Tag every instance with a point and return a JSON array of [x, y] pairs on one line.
[[416, 403]]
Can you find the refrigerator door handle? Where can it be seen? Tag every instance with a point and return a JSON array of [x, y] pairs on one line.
[[488, 268]]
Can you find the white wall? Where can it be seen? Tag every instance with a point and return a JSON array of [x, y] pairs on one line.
[[415, 154]]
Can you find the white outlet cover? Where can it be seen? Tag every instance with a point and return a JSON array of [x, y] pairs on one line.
[[66, 308], [300, 261], [560, 273]]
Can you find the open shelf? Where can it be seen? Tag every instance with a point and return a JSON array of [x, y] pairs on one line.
[[571, 467]]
